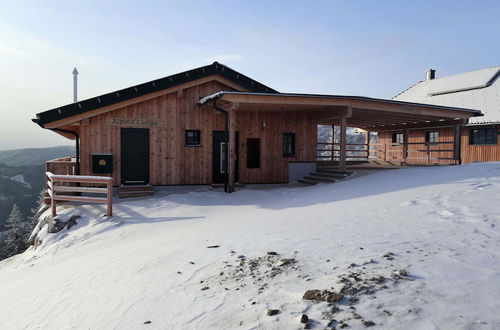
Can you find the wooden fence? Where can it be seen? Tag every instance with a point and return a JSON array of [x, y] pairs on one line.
[[411, 152], [66, 192]]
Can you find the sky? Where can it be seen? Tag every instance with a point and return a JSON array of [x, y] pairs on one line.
[[367, 48]]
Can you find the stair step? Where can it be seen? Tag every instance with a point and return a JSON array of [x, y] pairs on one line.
[[319, 178], [307, 182], [136, 188], [334, 173], [326, 175], [135, 194]]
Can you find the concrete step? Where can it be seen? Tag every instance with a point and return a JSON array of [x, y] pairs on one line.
[[334, 173], [319, 178], [326, 175], [307, 182]]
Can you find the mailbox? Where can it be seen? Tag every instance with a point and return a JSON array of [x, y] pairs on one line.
[[102, 163]]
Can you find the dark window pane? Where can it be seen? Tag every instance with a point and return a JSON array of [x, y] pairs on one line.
[[432, 137], [483, 136], [288, 144], [253, 153], [193, 137], [397, 137]]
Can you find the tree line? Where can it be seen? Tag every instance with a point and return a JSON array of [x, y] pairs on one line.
[[15, 239]]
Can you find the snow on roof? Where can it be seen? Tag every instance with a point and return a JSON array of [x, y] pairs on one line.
[[475, 90]]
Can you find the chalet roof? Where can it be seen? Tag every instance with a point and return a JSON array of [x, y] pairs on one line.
[[477, 89], [215, 68]]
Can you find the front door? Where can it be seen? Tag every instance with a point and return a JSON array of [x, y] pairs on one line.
[[134, 156], [219, 162]]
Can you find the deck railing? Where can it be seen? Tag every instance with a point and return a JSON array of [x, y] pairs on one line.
[[328, 151], [59, 190], [64, 165], [412, 152]]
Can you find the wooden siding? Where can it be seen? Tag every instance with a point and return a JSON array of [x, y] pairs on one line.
[[478, 153], [172, 163], [417, 153], [273, 165]]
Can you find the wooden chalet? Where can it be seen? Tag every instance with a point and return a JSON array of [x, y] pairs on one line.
[[478, 137], [215, 125]]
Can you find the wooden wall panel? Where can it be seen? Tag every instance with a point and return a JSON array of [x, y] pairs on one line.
[[478, 153], [417, 152], [273, 166], [172, 163]]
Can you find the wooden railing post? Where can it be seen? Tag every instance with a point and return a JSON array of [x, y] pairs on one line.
[[110, 198], [343, 140]]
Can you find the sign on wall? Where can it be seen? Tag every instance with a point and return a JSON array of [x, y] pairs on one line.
[[135, 122]]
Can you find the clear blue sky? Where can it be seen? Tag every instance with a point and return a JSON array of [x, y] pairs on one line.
[[369, 48]]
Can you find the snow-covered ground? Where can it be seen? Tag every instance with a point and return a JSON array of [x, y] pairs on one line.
[[200, 260]]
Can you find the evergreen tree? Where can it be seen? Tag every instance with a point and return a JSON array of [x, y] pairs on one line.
[[15, 236]]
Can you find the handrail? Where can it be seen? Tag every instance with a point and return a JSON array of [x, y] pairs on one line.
[[60, 193], [328, 151]]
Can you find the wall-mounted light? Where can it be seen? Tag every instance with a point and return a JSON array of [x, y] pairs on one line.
[[264, 125]]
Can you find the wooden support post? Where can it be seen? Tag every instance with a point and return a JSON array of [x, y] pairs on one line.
[[457, 143], [333, 143], [232, 150], [367, 142], [405, 146], [53, 205], [343, 138], [109, 186]]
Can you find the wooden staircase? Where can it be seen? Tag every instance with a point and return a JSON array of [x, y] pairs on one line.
[[135, 191], [324, 175]]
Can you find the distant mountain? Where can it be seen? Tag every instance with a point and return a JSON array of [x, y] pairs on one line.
[[22, 177], [34, 156]]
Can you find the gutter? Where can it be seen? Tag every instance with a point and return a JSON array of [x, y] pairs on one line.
[[226, 141], [214, 99], [77, 141]]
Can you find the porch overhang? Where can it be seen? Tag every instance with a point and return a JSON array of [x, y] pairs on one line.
[[370, 114]]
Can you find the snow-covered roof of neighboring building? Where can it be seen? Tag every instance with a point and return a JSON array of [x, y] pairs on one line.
[[474, 90]]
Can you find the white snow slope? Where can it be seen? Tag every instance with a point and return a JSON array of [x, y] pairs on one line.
[[148, 262]]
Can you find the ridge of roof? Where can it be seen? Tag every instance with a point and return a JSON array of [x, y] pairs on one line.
[[124, 94]]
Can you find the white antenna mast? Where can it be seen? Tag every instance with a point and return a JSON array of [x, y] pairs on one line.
[[75, 85]]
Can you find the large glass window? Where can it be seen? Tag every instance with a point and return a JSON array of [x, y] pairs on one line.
[[483, 136]]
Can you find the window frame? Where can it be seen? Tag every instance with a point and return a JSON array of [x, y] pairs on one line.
[[493, 138], [292, 146], [433, 135], [186, 138], [395, 139]]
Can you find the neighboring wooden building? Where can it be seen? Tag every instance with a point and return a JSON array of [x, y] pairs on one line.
[[213, 125], [479, 139]]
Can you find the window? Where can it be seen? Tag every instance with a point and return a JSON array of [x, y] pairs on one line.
[[288, 144], [431, 137], [253, 153], [397, 137], [483, 136], [193, 138]]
